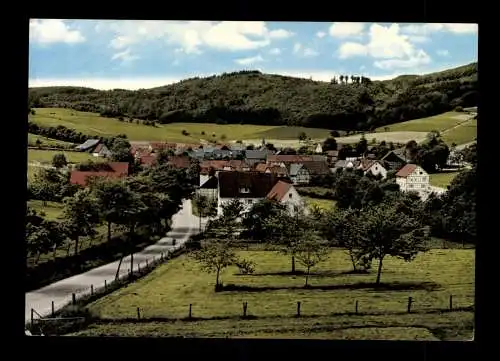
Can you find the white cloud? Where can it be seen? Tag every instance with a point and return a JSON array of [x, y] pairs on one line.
[[49, 31], [343, 30], [275, 51], [297, 47], [320, 34], [125, 56], [250, 60], [349, 49], [443, 52], [387, 43], [428, 29], [194, 35], [309, 53]]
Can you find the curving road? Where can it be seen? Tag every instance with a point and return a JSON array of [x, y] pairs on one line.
[[184, 224]]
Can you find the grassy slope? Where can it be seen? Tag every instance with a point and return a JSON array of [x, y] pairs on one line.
[[45, 156], [93, 124], [439, 122], [442, 179], [161, 294], [464, 133], [32, 138], [321, 203]]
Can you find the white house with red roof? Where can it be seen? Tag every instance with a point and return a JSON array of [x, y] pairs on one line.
[[286, 194], [413, 178]]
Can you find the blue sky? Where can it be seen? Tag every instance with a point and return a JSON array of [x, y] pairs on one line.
[[133, 54]]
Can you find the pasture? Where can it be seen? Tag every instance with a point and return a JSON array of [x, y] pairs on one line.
[[325, 204], [272, 293], [32, 138], [442, 179], [53, 210], [439, 122], [392, 136], [94, 124], [461, 134], [45, 156]]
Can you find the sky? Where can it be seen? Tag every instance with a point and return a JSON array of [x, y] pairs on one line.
[[134, 54]]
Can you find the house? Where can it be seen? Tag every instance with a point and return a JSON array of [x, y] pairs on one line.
[[393, 160], [316, 168], [286, 159], [209, 188], [115, 170], [373, 166], [318, 149], [344, 164], [216, 166], [413, 178], [318, 158], [101, 151], [256, 156], [285, 193], [198, 154], [274, 169], [88, 146], [159, 146], [248, 187], [179, 161], [299, 174]]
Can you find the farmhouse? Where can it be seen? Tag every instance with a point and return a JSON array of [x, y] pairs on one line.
[[115, 170], [101, 151], [413, 178], [209, 188], [285, 193], [248, 187], [393, 160], [374, 167], [299, 174]]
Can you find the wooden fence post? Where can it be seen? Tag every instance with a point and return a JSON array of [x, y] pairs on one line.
[[32, 318], [91, 290], [105, 285], [356, 310], [138, 313], [245, 304], [147, 263], [190, 307], [410, 301], [53, 310], [451, 302], [73, 298], [298, 308]]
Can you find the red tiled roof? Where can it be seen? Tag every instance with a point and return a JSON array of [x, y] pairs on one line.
[[406, 170], [179, 161], [279, 190], [119, 170], [289, 158], [119, 167], [216, 164], [161, 145]]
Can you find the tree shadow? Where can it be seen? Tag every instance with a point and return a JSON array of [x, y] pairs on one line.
[[394, 286], [317, 274]]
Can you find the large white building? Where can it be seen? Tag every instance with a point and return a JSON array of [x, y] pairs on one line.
[[413, 178]]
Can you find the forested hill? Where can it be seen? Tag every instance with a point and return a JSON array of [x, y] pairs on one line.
[[250, 97]]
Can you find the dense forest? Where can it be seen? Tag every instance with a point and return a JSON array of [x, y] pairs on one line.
[[250, 97]]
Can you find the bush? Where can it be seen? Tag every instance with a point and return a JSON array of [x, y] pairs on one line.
[[459, 109], [246, 267], [223, 137], [185, 132], [202, 132], [120, 118]]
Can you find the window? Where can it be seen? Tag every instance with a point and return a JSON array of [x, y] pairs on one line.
[[290, 195], [244, 190], [249, 201], [410, 185], [420, 172]]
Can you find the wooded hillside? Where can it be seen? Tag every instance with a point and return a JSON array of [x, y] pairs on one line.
[[250, 97]]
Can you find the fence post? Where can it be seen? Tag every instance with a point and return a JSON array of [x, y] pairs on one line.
[[298, 309], [53, 310], [32, 318], [73, 298], [356, 310], [147, 263], [410, 301], [138, 313], [91, 290], [105, 285], [138, 266], [451, 302], [245, 304], [190, 307]]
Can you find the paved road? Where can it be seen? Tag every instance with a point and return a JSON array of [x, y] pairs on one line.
[[184, 224]]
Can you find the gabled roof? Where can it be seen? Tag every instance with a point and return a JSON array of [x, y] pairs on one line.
[[256, 154], [179, 161], [119, 170], [211, 183], [289, 158], [294, 168], [89, 143], [317, 168], [406, 170], [215, 164], [366, 164], [279, 191], [259, 184], [392, 156]]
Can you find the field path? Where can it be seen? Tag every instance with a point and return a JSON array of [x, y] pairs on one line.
[[184, 224], [458, 125]]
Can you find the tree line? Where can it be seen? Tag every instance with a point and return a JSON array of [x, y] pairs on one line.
[[256, 98]]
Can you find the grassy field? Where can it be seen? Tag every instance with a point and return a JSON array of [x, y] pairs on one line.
[[321, 203], [93, 124], [395, 137], [464, 133], [439, 122], [442, 179], [272, 292], [53, 210], [32, 138], [45, 156]]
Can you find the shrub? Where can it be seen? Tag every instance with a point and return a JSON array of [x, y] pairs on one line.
[[202, 132], [459, 109], [223, 137], [120, 118], [374, 140], [245, 267], [185, 132]]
